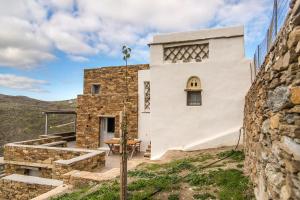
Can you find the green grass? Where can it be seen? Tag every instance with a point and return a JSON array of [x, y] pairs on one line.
[[178, 166], [173, 197], [141, 174], [232, 183], [204, 196], [226, 184], [234, 155]]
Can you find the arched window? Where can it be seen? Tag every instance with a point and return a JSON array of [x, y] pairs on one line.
[[193, 89]]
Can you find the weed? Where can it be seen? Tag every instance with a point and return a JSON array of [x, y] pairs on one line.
[[196, 179], [232, 183], [239, 165], [153, 166], [234, 155], [178, 166], [141, 174], [204, 196], [173, 197], [72, 196], [160, 182], [105, 192]]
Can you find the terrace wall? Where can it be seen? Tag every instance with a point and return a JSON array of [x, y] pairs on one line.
[[272, 117], [20, 187], [52, 162]]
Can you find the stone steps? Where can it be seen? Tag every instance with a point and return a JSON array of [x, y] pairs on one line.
[[147, 154]]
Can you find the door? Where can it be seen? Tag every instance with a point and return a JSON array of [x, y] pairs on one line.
[[107, 129]]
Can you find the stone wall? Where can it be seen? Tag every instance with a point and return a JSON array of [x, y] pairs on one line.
[[52, 162], [109, 102], [272, 117], [19, 187]]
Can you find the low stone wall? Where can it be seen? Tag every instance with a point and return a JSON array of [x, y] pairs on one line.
[[39, 154], [51, 161], [84, 178], [87, 162], [272, 117], [40, 141], [19, 187]]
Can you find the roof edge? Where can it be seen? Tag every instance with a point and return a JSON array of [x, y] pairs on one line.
[[204, 34]]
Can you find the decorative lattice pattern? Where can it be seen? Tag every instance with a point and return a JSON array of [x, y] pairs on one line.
[[186, 53], [147, 95]]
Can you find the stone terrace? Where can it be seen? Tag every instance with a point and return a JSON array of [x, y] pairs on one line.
[[49, 162]]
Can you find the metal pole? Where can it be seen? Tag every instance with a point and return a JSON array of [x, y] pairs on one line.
[[46, 124]]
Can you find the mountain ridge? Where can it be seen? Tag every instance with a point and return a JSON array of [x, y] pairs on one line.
[[22, 118]]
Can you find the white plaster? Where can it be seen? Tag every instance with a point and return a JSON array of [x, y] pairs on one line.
[[198, 35], [225, 79], [143, 115]]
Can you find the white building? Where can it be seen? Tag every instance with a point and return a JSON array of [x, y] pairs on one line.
[[198, 81]]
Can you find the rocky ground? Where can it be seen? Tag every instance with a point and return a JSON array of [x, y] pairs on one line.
[[207, 174]]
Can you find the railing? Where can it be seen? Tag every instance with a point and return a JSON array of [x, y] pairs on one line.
[[280, 11]]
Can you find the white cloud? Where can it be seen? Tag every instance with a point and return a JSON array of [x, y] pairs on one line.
[[22, 83], [82, 28], [78, 58]]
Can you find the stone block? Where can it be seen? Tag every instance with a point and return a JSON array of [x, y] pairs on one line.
[[294, 37], [274, 121], [278, 98], [295, 95], [291, 147]]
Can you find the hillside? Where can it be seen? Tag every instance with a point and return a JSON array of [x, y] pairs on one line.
[[21, 117]]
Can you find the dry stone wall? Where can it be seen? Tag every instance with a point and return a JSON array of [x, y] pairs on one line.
[[272, 117], [18, 187], [109, 102], [52, 162]]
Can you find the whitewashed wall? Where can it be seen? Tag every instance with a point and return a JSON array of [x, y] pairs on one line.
[[143, 116], [225, 79]]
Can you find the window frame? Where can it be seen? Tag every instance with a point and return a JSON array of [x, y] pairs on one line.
[[147, 97], [93, 91], [188, 98]]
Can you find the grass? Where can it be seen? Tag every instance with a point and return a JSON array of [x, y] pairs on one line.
[[234, 155], [223, 183], [173, 197], [204, 196]]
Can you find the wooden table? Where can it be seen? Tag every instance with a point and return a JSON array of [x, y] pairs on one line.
[[113, 142]]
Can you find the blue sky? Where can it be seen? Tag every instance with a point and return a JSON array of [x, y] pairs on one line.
[[45, 45]]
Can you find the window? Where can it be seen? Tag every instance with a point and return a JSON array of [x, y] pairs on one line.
[[147, 95], [110, 125], [95, 89], [186, 53], [194, 98], [193, 89]]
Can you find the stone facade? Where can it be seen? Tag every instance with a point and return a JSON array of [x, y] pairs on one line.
[[109, 102], [272, 117]]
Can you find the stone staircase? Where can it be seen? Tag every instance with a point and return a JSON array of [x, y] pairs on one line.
[[66, 136], [147, 154]]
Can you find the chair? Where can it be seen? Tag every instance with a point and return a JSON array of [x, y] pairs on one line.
[[116, 148], [138, 145]]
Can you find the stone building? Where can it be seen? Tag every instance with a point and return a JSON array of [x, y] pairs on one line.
[[189, 97]]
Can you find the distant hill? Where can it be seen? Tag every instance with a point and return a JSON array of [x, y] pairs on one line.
[[21, 118]]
